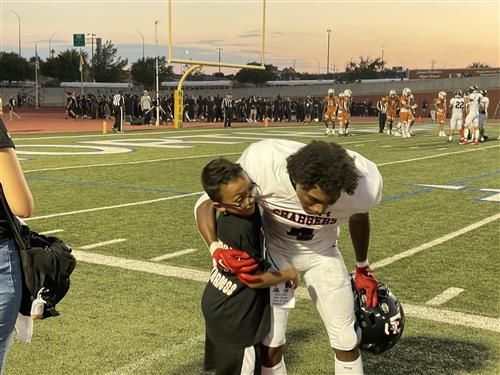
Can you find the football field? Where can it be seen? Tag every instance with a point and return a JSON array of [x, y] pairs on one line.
[[124, 202]]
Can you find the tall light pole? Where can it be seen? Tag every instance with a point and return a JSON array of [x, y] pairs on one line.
[[142, 36], [219, 50], [19, 22], [383, 47], [157, 79], [50, 45], [328, 52], [293, 64], [92, 54]]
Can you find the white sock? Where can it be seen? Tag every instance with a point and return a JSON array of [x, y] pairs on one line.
[[279, 369], [466, 133], [349, 368]]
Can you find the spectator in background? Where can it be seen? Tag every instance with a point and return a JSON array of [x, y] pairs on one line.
[[118, 106], [145, 105], [12, 105], [423, 111]]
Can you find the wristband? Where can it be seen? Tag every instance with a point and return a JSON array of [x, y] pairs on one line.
[[362, 264], [214, 246]]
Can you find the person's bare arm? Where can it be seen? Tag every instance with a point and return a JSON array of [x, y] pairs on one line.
[[205, 221], [14, 184], [270, 278]]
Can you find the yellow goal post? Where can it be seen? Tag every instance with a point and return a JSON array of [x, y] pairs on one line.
[[195, 64]]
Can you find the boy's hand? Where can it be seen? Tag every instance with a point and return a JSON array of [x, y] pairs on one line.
[[235, 261], [365, 279]]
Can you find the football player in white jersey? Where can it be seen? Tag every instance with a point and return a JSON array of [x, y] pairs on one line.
[[472, 118], [483, 114], [305, 191], [457, 104]]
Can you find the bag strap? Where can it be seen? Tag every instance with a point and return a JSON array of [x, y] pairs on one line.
[[13, 222]]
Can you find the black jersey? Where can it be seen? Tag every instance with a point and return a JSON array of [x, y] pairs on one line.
[[236, 315]]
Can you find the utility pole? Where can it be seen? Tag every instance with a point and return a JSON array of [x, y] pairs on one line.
[[92, 54], [219, 50], [142, 36], [328, 52], [50, 45], [157, 81], [19, 22]]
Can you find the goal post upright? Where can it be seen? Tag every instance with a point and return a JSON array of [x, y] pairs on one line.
[[196, 64]]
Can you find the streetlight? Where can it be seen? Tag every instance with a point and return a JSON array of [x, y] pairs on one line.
[[19, 21], [50, 45], [383, 47], [157, 78], [328, 52], [293, 62], [219, 50], [142, 36], [92, 54]]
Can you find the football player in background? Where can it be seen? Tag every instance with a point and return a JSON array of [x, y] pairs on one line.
[[305, 191], [392, 106], [330, 103], [457, 104], [411, 116], [472, 118], [404, 112], [483, 115], [344, 114], [441, 112]]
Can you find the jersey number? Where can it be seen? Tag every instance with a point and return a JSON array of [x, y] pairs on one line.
[[302, 234], [459, 105]]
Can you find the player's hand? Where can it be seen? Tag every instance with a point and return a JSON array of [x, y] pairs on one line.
[[235, 261], [366, 280]]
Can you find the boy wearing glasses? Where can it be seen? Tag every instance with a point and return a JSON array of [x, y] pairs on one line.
[[236, 304]]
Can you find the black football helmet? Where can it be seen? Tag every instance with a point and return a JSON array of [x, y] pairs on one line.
[[381, 326], [484, 92]]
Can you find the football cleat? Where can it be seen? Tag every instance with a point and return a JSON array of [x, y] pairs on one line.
[[381, 326]]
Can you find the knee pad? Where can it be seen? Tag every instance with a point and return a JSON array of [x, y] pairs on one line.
[[347, 339]]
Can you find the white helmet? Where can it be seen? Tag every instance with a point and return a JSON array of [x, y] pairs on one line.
[[411, 96], [442, 94], [392, 93], [341, 95], [331, 92], [348, 93], [406, 91]]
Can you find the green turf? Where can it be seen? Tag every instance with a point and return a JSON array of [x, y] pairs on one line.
[[117, 321]]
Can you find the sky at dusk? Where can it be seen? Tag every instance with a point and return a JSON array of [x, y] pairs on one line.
[[411, 34]]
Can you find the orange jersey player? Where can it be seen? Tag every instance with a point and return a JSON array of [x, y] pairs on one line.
[[331, 103], [441, 112], [344, 112], [404, 112], [392, 106]]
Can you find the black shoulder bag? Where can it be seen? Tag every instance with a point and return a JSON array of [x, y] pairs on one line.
[[47, 264]]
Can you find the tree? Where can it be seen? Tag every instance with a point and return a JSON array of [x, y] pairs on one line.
[[366, 68], [65, 67], [288, 73], [106, 69], [476, 65], [143, 71], [256, 77], [13, 67]]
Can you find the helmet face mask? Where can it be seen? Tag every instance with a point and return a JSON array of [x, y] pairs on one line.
[[458, 94], [381, 326], [331, 92]]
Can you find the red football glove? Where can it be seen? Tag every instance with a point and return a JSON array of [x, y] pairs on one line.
[[235, 261], [365, 279]]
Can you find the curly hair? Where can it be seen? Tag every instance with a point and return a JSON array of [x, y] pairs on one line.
[[327, 165], [219, 172]]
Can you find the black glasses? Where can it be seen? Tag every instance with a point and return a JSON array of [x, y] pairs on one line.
[[246, 200]]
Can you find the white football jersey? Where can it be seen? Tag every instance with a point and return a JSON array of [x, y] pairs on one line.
[[485, 102], [474, 101], [458, 107], [287, 227]]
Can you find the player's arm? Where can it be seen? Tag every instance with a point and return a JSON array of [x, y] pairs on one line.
[[270, 278], [205, 220]]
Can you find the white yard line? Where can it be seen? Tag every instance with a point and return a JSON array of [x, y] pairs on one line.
[[437, 241], [469, 149], [173, 255], [169, 352], [129, 162], [101, 244], [438, 315], [448, 187], [112, 207], [444, 297], [54, 231]]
